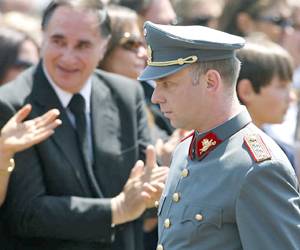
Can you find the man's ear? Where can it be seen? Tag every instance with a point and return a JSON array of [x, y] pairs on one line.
[[212, 79], [245, 91]]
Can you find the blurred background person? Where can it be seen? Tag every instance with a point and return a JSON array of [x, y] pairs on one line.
[[198, 12], [32, 7], [248, 17], [157, 11], [161, 12], [17, 52], [28, 24], [126, 53], [264, 84]]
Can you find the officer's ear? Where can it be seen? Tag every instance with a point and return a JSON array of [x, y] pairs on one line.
[[212, 79], [245, 91]]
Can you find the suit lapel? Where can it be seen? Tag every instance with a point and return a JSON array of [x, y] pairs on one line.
[[64, 137]]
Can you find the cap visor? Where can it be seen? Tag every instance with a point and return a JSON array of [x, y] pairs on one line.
[[155, 72]]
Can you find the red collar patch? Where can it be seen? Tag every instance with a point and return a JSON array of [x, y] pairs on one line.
[[200, 147]]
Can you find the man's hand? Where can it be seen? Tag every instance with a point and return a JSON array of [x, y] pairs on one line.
[[142, 189], [153, 179], [129, 204]]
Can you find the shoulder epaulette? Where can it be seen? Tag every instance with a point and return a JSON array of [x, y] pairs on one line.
[[257, 147]]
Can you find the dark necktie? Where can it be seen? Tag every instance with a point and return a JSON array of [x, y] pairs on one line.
[[77, 107]]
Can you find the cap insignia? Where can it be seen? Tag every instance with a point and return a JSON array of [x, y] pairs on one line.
[[257, 147]]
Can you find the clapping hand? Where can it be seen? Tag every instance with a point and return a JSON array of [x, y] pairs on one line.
[[17, 135], [142, 189]]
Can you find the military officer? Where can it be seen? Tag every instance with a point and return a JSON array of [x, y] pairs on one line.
[[230, 186]]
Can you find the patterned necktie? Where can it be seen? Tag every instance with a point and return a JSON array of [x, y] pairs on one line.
[[77, 107]]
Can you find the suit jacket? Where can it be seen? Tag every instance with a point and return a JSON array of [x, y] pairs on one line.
[[54, 200], [238, 192]]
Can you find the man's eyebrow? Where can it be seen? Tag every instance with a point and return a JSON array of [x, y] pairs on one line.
[[57, 36], [84, 42], [163, 79], [60, 36]]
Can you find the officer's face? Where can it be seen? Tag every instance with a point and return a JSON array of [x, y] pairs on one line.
[[180, 100], [271, 103], [72, 47]]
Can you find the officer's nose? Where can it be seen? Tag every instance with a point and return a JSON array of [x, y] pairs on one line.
[[157, 97]]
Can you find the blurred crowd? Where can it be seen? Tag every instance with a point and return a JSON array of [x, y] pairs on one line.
[[269, 86]]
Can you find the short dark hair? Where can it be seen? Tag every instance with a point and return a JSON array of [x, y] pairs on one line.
[[262, 60], [228, 68], [93, 5]]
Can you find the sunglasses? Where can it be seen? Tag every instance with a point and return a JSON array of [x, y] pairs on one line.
[[277, 20], [131, 42]]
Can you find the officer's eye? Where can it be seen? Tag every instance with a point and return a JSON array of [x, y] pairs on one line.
[[167, 84]]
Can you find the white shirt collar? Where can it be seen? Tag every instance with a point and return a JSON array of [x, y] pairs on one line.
[[65, 97]]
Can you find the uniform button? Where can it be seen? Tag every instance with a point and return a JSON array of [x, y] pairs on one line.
[[199, 217], [185, 172], [156, 204], [176, 197], [167, 223], [160, 247]]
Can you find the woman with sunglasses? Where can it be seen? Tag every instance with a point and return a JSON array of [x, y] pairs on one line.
[[126, 54], [247, 17]]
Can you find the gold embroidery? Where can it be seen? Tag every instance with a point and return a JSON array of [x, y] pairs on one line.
[[206, 144], [180, 61]]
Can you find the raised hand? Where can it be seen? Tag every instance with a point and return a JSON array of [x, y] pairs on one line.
[[17, 135], [153, 178], [129, 204], [142, 189]]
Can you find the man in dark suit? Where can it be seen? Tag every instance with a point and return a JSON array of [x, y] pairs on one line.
[[77, 190]]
